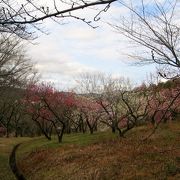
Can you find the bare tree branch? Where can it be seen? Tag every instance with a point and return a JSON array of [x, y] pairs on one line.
[[154, 28], [20, 18]]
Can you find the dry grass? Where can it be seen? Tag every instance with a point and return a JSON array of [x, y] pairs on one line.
[[6, 146], [127, 158]]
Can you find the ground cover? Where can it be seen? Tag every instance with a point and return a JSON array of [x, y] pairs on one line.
[[104, 156], [6, 146]]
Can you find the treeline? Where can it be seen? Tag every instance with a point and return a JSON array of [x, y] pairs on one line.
[[101, 103], [16, 72]]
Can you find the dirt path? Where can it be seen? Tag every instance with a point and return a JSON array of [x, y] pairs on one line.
[[13, 165]]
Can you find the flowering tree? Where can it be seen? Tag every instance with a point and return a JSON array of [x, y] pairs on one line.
[[122, 107], [163, 104], [49, 108], [135, 107], [37, 110], [128, 112], [91, 112]]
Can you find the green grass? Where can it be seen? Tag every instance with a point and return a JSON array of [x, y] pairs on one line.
[[74, 139], [34, 144], [95, 155], [6, 145]]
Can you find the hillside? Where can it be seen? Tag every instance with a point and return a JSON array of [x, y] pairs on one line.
[[98, 157]]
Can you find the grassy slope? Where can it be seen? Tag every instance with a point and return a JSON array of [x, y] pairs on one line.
[[6, 145], [95, 157], [31, 144]]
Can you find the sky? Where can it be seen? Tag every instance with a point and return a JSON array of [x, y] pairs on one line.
[[71, 48]]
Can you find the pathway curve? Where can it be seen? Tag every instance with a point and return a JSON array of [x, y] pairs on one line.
[[13, 165]]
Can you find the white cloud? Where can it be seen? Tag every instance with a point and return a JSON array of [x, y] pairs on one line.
[[80, 33], [75, 48], [69, 68]]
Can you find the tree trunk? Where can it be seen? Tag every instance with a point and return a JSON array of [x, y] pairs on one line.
[[113, 129], [43, 131], [16, 133], [60, 135], [48, 137], [121, 135], [91, 130], [89, 126], [95, 127], [7, 132], [21, 133]]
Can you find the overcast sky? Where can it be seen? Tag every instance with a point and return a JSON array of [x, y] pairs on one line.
[[74, 48]]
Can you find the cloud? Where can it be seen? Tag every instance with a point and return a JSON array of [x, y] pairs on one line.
[[80, 34], [50, 58], [75, 48], [69, 68]]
